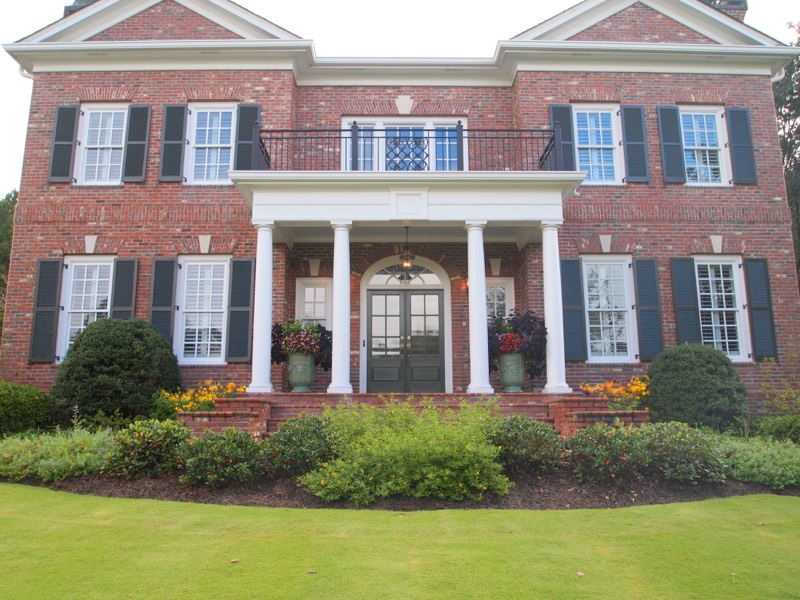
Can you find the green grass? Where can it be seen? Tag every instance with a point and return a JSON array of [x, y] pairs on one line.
[[58, 545]]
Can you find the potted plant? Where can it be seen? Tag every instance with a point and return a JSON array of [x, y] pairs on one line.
[[303, 346], [517, 345]]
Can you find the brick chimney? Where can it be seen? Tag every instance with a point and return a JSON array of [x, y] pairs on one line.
[[733, 8], [76, 6]]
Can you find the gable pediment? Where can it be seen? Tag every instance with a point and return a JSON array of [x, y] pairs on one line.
[[646, 21], [130, 20]]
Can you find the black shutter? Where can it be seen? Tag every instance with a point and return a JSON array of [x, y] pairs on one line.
[[123, 296], [635, 144], [246, 121], [65, 134], [240, 311], [759, 303], [162, 304], [669, 129], [741, 143], [684, 295], [562, 113], [45, 311], [574, 311], [135, 160], [173, 141], [648, 311]]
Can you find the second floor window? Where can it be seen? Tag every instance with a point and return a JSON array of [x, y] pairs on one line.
[[210, 144], [597, 143], [101, 138], [704, 141]]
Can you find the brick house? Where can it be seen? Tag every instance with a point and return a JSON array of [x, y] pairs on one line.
[[615, 168]]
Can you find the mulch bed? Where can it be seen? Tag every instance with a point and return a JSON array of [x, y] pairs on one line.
[[538, 492]]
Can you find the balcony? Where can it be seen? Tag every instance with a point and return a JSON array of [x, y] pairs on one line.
[[407, 148]]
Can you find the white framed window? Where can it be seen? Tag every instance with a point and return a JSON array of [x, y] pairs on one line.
[[598, 143], [404, 145], [499, 296], [85, 297], [202, 294], [721, 300], [705, 146], [610, 309], [211, 136], [101, 144], [313, 302]]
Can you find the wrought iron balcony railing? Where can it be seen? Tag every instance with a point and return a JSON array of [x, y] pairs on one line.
[[410, 148]]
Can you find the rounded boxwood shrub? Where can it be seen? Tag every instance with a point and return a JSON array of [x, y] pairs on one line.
[[219, 459], [115, 365], [147, 448], [299, 446], [698, 385], [527, 445], [22, 407]]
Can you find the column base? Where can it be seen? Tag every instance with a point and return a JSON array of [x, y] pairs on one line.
[[260, 389], [340, 389], [480, 389], [557, 388]]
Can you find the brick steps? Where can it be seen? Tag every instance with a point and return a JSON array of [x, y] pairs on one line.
[[262, 414]]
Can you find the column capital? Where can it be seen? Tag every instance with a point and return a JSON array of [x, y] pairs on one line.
[[265, 225], [474, 225], [341, 224], [551, 225]]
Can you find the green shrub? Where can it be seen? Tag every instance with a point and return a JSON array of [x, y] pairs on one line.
[[698, 385], [219, 459], [54, 456], [115, 365], [767, 462], [22, 407], [410, 451], [147, 449], [299, 446], [786, 427], [677, 452], [527, 445], [602, 454]]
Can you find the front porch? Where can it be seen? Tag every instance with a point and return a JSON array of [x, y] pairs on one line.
[[262, 414]]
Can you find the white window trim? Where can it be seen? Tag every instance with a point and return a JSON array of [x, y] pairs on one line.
[[616, 128], [508, 284], [68, 271], [180, 296], [301, 283], [79, 167], [191, 127], [743, 316], [384, 123], [630, 299], [726, 172]]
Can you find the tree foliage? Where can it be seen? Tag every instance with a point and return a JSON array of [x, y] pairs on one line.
[[7, 205], [787, 102]]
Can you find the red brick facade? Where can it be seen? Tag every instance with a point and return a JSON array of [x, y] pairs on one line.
[[154, 219]]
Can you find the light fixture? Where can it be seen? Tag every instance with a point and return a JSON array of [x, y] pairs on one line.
[[406, 258]]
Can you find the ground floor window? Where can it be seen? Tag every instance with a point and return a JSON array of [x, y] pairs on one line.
[[499, 296], [720, 293], [313, 300]]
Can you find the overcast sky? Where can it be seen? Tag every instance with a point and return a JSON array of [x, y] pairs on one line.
[[343, 28]]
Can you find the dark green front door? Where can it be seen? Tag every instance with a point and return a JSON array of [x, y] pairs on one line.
[[405, 341]]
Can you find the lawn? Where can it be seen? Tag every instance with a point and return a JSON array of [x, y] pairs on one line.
[[58, 545]]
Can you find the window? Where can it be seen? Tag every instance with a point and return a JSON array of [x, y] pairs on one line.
[[211, 137], [404, 145], [598, 145], [202, 308], [313, 300], [723, 320], [101, 144], [704, 140], [499, 296], [85, 297], [610, 312]]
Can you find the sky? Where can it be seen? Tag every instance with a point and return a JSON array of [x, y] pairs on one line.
[[347, 28]]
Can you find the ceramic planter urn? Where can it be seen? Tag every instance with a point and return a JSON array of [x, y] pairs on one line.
[[512, 372], [302, 371]]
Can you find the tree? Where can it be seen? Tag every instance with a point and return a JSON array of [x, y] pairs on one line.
[[7, 205], [787, 102]]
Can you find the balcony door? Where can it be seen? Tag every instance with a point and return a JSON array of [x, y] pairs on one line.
[[405, 341]]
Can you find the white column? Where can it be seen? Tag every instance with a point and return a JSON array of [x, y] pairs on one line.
[[553, 317], [262, 312], [340, 367], [478, 333]]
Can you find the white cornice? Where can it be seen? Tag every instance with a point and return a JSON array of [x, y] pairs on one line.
[[298, 56]]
